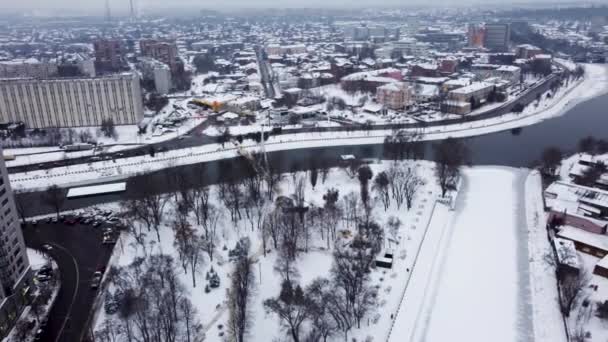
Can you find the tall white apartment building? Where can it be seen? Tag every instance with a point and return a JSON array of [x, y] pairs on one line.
[[159, 72], [71, 102], [15, 279]]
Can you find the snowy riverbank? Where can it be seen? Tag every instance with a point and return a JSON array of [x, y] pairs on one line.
[[594, 84]]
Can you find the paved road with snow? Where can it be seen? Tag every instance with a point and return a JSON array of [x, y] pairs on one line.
[[79, 253]]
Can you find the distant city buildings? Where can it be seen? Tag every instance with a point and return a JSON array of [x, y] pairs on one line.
[[476, 35], [165, 52], [108, 54], [30, 67], [527, 51], [15, 279], [279, 50], [157, 72], [71, 102], [461, 101], [497, 36], [394, 96], [492, 36]]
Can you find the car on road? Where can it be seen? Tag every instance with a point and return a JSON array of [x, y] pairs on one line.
[[108, 240], [96, 224], [38, 335], [96, 280], [42, 277], [47, 247]]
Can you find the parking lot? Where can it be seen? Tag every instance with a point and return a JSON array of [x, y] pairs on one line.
[[81, 246]]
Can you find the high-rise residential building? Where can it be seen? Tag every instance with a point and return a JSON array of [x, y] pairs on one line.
[[15, 279], [476, 35], [497, 36], [165, 52], [108, 54], [156, 71], [71, 102], [30, 67]]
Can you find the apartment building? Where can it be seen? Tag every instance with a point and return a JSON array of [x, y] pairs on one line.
[[156, 71], [108, 54], [165, 52], [71, 102], [30, 67], [15, 277]]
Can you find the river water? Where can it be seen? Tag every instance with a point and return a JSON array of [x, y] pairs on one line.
[[515, 148]]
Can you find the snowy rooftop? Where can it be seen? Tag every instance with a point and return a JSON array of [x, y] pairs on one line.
[[472, 88], [566, 252], [587, 238], [96, 190]]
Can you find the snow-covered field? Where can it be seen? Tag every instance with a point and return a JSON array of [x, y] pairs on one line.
[[482, 283]]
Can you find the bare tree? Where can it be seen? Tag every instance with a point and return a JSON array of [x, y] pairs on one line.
[[191, 324], [365, 174], [292, 306], [22, 205], [210, 223], [394, 224], [242, 282], [314, 176], [411, 184], [53, 197], [326, 313], [450, 155], [381, 186], [148, 202], [571, 287]]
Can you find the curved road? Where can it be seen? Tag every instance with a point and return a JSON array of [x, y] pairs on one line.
[[78, 252]]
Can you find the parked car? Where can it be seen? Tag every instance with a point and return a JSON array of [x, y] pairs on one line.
[[43, 277], [96, 280], [38, 335], [47, 247], [108, 240]]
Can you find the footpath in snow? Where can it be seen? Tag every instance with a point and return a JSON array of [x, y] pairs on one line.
[[548, 320]]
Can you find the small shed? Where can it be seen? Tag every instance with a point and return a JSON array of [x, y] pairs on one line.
[[385, 260], [601, 268], [567, 257]]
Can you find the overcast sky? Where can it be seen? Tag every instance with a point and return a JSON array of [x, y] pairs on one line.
[[122, 5]]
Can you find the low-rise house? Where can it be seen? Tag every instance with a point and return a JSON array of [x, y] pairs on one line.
[[456, 102], [574, 202], [568, 263], [601, 268], [586, 242], [394, 95]]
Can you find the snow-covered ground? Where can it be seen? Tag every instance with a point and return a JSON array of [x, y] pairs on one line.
[[483, 281], [315, 263], [548, 320]]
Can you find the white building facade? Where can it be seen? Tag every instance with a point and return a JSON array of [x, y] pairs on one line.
[[157, 71], [71, 102], [15, 278]]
